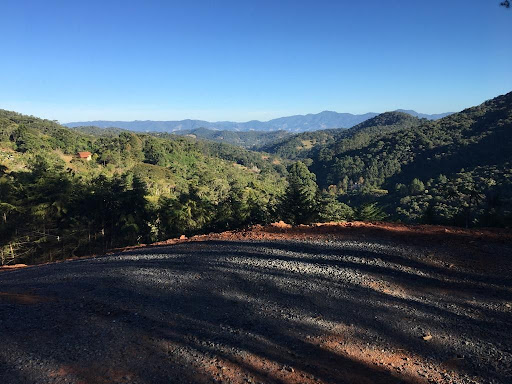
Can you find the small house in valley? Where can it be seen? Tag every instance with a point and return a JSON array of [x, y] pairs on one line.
[[84, 155]]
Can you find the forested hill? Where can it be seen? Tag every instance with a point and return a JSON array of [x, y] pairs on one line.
[[304, 145], [456, 170], [97, 131], [386, 122], [246, 139], [115, 147], [135, 188], [478, 136], [139, 188]]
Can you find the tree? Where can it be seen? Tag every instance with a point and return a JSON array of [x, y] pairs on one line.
[[416, 187], [370, 212], [300, 201], [330, 209], [154, 152]]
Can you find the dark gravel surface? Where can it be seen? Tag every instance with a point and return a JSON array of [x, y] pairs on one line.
[[258, 311]]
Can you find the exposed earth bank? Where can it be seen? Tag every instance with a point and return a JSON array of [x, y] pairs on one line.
[[333, 303]]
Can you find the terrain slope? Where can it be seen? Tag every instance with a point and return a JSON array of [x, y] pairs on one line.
[[332, 303]]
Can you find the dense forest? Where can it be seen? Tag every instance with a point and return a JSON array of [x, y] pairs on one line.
[[140, 188], [136, 188], [456, 170]]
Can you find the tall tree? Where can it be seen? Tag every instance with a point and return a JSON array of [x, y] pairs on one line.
[[300, 201]]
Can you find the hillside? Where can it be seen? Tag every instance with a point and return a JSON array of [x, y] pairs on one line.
[[139, 188], [114, 146], [136, 188], [246, 139], [296, 123], [97, 131], [451, 170], [422, 150], [456, 170], [304, 145]]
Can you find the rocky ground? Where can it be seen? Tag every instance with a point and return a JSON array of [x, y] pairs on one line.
[[339, 303]]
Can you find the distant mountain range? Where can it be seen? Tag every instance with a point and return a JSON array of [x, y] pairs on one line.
[[297, 123]]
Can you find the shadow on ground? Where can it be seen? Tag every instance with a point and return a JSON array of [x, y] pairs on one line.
[[269, 312]]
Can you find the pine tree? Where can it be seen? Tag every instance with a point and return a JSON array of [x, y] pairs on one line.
[[300, 201]]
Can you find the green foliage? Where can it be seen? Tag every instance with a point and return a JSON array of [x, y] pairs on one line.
[[325, 144], [416, 187], [28, 133], [370, 212], [299, 205], [330, 209], [394, 159], [139, 188], [482, 197]]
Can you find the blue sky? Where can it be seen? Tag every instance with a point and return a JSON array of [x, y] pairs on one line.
[[242, 60]]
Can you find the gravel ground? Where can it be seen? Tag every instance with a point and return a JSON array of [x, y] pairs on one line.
[[295, 311]]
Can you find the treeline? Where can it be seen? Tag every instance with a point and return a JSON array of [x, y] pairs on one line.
[[49, 213], [245, 139], [310, 145]]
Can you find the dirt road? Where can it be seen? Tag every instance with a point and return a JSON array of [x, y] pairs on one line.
[[308, 305]]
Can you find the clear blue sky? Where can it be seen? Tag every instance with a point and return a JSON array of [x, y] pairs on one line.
[[242, 60]]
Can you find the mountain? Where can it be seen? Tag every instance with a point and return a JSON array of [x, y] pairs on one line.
[[303, 145], [297, 123], [383, 153], [141, 188], [456, 170]]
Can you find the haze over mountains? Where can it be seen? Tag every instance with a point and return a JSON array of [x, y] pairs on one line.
[[296, 123]]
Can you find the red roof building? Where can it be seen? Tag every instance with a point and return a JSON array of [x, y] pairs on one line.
[[84, 155]]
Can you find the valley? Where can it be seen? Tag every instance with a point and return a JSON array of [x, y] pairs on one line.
[[147, 187]]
